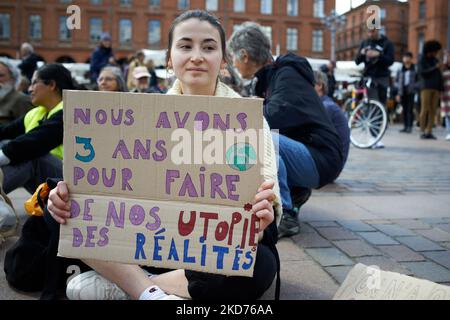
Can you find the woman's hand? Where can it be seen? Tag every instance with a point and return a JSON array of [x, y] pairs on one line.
[[263, 204], [58, 203]]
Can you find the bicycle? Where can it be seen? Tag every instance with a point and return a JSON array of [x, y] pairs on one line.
[[367, 118]]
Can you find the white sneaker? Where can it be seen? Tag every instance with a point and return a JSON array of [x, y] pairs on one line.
[[447, 137], [378, 145], [92, 286]]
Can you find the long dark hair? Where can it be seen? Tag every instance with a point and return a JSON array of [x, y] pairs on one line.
[[201, 15], [57, 73]]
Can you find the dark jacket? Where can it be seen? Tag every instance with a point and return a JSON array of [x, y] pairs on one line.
[[35, 143], [99, 60], [377, 67], [400, 81], [14, 105], [331, 84], [340, 123], [29, 65], [293, 107], [430, 75]]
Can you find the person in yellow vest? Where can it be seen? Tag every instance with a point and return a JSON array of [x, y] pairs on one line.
[[34, 142], [31, 146]]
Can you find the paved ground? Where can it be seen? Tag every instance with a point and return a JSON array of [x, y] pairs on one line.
[[390, 208]]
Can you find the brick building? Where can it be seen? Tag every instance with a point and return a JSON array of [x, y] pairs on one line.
[[394, 24], [293, 25], [428, 20]]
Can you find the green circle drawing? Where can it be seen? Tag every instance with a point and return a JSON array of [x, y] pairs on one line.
[[241, 156]]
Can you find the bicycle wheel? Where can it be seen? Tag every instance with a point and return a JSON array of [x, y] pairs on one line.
[[367, 124]]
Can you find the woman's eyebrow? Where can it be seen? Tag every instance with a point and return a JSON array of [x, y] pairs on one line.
[[184, 39], [209, 40]]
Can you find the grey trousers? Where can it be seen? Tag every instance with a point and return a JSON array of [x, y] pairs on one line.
[[32, 173]]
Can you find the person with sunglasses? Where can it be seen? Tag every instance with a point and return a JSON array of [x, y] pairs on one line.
[[31, 146]]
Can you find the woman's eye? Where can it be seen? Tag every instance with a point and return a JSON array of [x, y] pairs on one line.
[[185, 47], [210, 48]]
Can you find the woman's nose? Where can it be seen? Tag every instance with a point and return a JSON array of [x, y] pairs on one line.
[[197, 56]]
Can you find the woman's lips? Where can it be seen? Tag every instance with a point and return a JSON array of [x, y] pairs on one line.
[[196, 69]]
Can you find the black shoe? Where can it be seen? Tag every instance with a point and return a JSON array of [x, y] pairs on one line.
[[299, 196], [408, 130], [428, 136], [404, 130], [289, 225]]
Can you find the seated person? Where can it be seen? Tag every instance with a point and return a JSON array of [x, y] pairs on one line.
[[309, 148], [13, 103], [142, 78], [335, 113], [31, 146]]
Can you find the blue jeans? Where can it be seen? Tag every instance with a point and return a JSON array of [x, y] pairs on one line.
[[296, 167]]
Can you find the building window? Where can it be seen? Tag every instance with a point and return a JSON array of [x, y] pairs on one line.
[[125, 31], [239, 6], [291, 39], [317, 41], [183, 4], [5, 31], [96, 2], [420, 41], [212, 5], [65, 1], [268, 32], [319, 8], [64, 32], [422, 10], [154, 33], [266, 6], [382, 31], [126, 3], [154, 3], [382, 13], [95, 29], [292, 8], [35, 27]]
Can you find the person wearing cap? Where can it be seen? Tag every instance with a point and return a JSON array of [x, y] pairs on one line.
[[141, 78], [138, 61], [101, 56]]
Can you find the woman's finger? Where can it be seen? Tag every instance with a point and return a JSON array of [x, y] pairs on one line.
[[261, 205], [63, 191], [267, 194], [57, 214], [269, 184], [57, 202]]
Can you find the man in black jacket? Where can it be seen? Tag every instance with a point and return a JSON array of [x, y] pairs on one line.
[[377, 54], [310, 155]]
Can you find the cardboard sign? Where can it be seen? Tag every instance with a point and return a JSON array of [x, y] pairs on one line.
[[163, 180], [370, 283]]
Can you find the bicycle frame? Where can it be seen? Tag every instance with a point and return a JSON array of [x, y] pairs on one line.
[[363, 90]]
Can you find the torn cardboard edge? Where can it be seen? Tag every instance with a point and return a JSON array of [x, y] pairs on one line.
[[370, 283]]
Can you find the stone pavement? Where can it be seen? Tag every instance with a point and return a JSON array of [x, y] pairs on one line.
[[389, 208]]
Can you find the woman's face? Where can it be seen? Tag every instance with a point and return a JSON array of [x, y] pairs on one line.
[[196, 56], [107, 81], [39, 91]]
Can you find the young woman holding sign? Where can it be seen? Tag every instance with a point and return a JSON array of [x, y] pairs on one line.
[[196, 53]]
